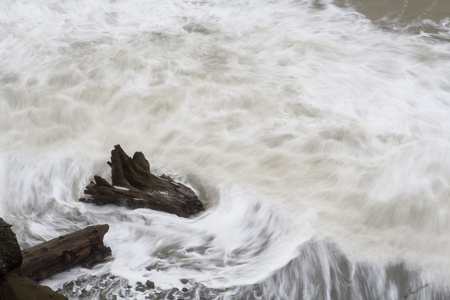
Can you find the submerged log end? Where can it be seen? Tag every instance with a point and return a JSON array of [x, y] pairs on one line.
[[98, 253], [196, 206]]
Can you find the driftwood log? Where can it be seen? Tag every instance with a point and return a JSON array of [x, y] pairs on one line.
[[84, 247], [134, 186]]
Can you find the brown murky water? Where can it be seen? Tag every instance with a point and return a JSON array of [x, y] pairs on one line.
[[403, 11]]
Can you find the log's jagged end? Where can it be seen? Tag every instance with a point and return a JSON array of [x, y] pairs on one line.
[[134, 186]]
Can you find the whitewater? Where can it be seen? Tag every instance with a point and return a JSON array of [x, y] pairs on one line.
[[317, 133]]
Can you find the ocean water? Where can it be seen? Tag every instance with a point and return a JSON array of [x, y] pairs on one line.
[[317, 133]]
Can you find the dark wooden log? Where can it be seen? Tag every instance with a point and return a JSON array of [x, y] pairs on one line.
[[134, 186], [84, 247]]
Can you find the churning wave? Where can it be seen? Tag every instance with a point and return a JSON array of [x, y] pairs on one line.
[[316, 131]]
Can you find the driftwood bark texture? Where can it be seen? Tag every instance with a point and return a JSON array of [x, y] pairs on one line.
[[134, 186], [83, 247]]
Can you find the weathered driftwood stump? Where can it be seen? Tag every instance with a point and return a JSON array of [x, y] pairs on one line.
[[83, 247], [134, 186]]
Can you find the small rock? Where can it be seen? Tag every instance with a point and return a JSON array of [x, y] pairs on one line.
[[140, 287], [171, 293], [84, 293], [150, 285]]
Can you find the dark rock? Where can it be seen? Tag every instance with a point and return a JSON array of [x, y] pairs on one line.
[[140, 287], [10, 254], [17, 287], [150, 284], [84, 293], [13, 285], [184, 280], [171, 294]]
